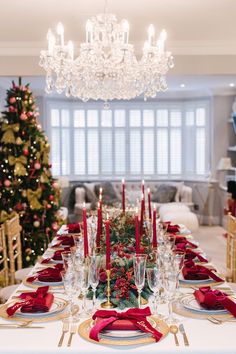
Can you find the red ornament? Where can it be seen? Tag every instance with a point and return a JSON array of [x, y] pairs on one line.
[[51, 197], [23, 116], [12, 109], [19, 207], [7, 183], [29, 114], [12, 100], [37, 165], [25, 152], [49, 206]]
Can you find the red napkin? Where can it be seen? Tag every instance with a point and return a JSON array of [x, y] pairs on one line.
[[180, 241], [190, 254], [64, 241], [192, 271], [136, 317], [39, 301], [171, 228], [56, 256], [73, 228], [50, 274], [214, 299]]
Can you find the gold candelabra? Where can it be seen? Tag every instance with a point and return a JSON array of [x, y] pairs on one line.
[[108, 304]]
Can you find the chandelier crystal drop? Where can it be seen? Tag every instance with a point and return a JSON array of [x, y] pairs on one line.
[[106, 67]]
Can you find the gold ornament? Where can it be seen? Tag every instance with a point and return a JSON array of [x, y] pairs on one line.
[[8, 136], [44, 178], [24, 194], [46, 152], [19, 162], [19, 141], [5, 216], [33, 197]]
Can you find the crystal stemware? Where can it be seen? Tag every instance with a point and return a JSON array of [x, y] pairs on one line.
[[84, 277], [70, 286], [94, 270], [139, 262], [170, 286], [154, 283]]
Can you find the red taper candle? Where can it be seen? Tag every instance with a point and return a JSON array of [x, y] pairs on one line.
[[99, 229], [154, 228], [137, 239], [85, 231], [141, 214], [149, 205], [123, 195], [108, 244]]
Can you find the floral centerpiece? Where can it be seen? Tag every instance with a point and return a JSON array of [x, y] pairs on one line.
[[122, 237]]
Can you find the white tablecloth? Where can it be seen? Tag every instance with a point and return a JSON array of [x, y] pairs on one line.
[[204, 338]]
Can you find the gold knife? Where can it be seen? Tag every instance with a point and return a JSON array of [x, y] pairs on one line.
[[182, 330]]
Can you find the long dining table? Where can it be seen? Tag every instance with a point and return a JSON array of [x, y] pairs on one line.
[[204, 336]]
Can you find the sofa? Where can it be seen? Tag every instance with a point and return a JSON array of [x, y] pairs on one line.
[[162, 192]]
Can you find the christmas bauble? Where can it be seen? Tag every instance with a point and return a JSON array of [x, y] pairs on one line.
[[49, 206], [25, 152], [23, 116], [19, 141], [16, 128], [37, 165], [55, 185], [36, 223], [51, 197], [29, 114], [24, 193], [12, 109], [7, 183], [12, 100]]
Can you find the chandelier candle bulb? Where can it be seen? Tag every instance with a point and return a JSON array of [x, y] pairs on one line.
[[125, 27], [108, 244], [137, 240], [89, 31], [71, 50], [154, 228], [123, 195], [85, 231], [151, 33], [149, 204], [60, 32]]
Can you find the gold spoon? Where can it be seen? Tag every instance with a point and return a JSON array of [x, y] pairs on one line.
[[174, 330]]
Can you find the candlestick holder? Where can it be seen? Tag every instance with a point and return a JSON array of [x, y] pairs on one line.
[[108, 304]]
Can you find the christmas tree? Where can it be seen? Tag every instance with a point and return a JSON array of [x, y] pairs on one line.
[[26, 183]]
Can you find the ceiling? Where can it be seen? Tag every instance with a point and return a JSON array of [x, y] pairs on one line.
[[201, 35]]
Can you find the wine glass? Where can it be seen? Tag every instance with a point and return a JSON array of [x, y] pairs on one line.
[[154, 283], [139, 262], [84, 284], [94, 269], [70, 286], [68, 260], [170, 286]]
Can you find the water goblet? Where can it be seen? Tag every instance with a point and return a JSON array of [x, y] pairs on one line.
[[139, 262], [94, 270], [68, 260], [154, 283], [170, 286], [69, 282], [84, 278]]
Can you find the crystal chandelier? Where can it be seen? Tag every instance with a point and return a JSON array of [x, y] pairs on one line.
[[106, 67]]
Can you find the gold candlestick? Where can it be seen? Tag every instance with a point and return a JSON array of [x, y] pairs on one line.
[[108, 304]]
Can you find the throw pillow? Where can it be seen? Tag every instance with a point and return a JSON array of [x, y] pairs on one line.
[[109, 196], [164, 194]]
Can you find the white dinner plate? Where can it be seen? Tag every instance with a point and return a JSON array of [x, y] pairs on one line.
[[57, 306], [190, 303]]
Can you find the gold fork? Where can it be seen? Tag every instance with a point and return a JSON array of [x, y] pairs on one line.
[[72, 332], [65, 329]]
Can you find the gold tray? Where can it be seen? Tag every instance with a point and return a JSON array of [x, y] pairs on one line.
[[55, 317], [85, 327]]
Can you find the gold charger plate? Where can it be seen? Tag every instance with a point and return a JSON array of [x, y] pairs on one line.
[[161, 326], [35, 286], [179, 309], [45, 317]]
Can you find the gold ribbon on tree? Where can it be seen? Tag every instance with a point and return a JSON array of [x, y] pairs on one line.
[[45, 150], [44, 178], [8, 135], [19, 162], [4, 216], [33, 198]]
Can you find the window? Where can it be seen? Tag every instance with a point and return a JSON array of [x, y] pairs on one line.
[[133, 140]]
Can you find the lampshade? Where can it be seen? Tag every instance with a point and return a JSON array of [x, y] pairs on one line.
[[225, 163]]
